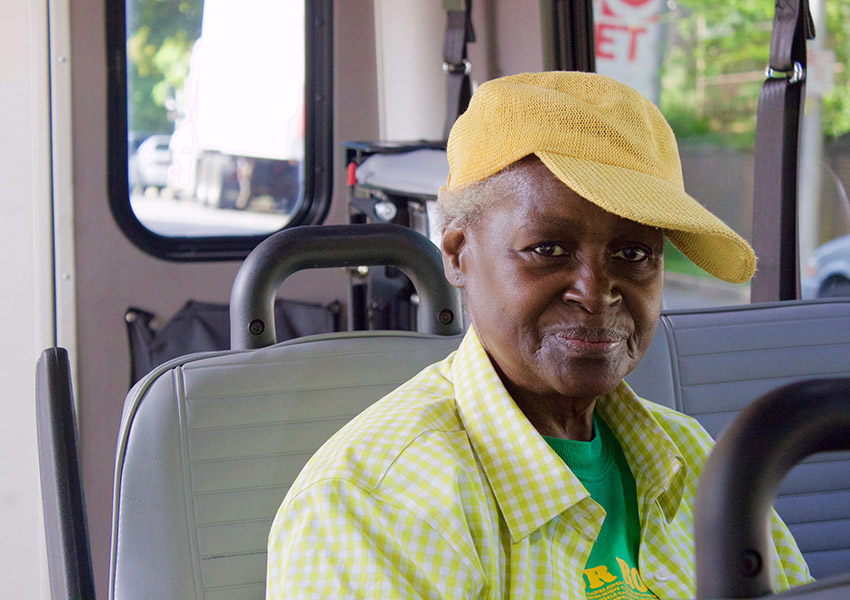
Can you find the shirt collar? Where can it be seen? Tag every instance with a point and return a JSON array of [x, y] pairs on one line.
[[531, 483], [656, 462]]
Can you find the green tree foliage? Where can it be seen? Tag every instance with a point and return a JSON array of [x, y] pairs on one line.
[[714, 67], [836, 103], [160, 35]]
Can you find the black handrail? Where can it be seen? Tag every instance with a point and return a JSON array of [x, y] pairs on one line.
[[740, 479], [291, 250], [66, 531]]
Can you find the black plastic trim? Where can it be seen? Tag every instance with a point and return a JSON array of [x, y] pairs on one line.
[[740, 479], [286, 252], [69, 563], [568, 38], [318, 151]]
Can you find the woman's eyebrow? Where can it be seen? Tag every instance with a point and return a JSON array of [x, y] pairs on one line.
[[549, 222]]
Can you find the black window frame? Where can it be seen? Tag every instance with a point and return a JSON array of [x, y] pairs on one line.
[[567, 32], [318, 143]]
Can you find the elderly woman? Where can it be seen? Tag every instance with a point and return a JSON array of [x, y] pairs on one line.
[[523, 466]]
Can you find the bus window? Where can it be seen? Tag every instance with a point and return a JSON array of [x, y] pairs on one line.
[[825, 157], [703, 64], [213, 142]]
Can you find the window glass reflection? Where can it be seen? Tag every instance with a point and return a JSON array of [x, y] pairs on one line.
[[215, 115], [825, 156], [703, 64]]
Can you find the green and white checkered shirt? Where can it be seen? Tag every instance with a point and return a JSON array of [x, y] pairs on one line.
[[443, 489]]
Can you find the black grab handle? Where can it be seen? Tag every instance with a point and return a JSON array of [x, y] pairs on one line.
[[311, 247], [739, 483]]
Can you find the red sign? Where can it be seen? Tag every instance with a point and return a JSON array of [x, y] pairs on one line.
[[627, 36]]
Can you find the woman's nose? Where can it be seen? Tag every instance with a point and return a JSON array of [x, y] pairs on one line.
[[593, 288]]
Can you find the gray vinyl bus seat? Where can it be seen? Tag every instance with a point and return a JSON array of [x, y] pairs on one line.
[[712, 363], [209, 445]]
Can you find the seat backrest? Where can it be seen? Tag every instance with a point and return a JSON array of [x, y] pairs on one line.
[[712, 363], [66, 530], [210, 443]]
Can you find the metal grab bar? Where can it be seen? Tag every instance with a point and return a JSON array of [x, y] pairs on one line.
[[741, 477], [291, 250]]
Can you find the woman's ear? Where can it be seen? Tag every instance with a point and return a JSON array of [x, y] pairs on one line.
[[454, 245]]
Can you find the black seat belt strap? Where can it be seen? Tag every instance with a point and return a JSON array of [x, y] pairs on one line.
[[459, 32], [777, 134]]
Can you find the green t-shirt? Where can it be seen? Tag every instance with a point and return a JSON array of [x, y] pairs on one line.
[[611, 572]]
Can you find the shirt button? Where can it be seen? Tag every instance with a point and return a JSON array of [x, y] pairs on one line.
[[662, 574]]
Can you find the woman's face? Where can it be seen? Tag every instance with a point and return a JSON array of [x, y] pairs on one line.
[[564, 296]]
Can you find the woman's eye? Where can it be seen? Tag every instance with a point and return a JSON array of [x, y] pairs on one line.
[[632, 254], [549, 249]]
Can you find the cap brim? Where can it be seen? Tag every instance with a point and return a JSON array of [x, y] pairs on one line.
[[701, 236]]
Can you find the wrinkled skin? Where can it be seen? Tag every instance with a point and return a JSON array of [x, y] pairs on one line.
[[565, 297]]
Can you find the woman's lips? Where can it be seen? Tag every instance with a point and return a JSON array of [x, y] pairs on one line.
[[583, 340]]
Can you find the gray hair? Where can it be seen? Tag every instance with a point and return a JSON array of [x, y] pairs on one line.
[[464, 206]]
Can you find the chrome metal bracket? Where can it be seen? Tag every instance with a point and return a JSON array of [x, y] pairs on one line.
[[796, 75], [464, 67]]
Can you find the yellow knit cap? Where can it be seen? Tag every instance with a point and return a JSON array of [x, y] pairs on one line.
[[606, 142]]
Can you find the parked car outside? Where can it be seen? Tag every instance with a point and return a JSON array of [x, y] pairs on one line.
[[827, 273], [149, 164]]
